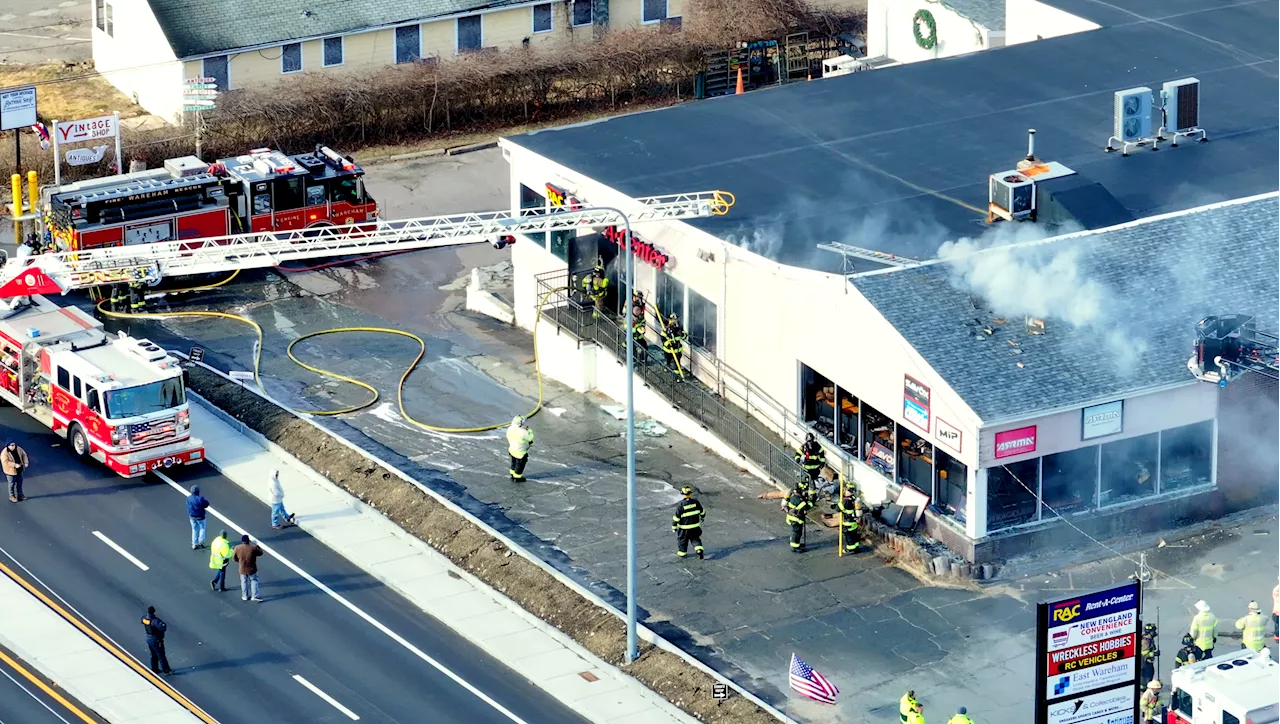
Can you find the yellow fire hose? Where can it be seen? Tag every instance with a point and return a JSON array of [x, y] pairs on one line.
[[422, 350]]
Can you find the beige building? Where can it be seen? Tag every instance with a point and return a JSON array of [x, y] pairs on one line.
[[148, 48]]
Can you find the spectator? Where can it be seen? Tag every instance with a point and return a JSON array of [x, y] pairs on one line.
[[275, 495], [219, 557], [246, 554], [196, 505], [14, 460]]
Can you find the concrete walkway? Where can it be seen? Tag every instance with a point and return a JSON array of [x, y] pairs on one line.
[[532, 648], [78, 664]]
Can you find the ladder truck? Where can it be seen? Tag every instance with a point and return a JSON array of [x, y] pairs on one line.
[[122, 401]]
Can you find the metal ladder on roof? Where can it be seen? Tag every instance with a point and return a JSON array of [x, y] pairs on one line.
[[65, 271]]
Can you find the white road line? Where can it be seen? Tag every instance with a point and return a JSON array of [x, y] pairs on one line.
[[33, 696], [357, 611], [332, 701], [121, 551]]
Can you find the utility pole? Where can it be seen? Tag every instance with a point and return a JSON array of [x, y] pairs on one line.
[[199, 135], [633, 649]]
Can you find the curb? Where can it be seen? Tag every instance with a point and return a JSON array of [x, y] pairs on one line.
[[432, 153], [643, 632]]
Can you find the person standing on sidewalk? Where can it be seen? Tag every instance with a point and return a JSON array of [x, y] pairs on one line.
[[687, 523], [219, 557], [275, 495], [246, 554], [519, 440], [796, 507], [14, 460], [196, 505], [154, 628]]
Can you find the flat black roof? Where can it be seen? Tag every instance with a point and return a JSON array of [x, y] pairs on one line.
[[897, 159], [1119, 306]]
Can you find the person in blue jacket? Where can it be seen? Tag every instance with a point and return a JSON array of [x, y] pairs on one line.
[[196, 505]]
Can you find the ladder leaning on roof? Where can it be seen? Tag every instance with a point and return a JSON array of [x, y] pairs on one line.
[[66, 271]]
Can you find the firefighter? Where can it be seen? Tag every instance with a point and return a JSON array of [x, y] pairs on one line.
[[1204, 629], [595, 287], [961, 717], [811, 457], [137, 297], [687, 523], [908, 705], [850, 510], [1253, 627], [637, 325], [1189, 653], [1150, 649], [796, 506], [519, 440], [119, 297], [673, 338], [1149, 701]]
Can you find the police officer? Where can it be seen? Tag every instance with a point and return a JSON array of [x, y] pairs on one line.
[[673, 337], [811, 457], [1150, 650], [154, 628], [850, 511], [519, 440], [796, 507], [687, 523], [1189, 653], [961, 717], [595, 287]]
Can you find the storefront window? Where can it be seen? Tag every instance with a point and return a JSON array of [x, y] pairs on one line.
[[670, 298], [915, 461], [817, 401], [1186, 456], [951, 490], [1069, 480], [877, 437], [702, 322], [848, 428], [1129, 469], [530, 199], [560, 243], [1011, 494]]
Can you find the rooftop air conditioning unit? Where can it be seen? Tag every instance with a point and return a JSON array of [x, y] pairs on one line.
[[1012, 196], [1133, 115], [1181, 105]]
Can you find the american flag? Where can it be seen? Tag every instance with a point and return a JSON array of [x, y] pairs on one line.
[[810, 684]]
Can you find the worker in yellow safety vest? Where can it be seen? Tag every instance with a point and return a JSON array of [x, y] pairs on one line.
[[1275, 611], [1204, 629], [1149, 701], [1254, 628], [519, 440], [908, 705], [595, 287], [917, 716], [961, 717]]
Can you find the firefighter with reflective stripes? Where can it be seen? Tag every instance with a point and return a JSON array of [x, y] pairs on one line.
[[850, 510], [595, 287], [1254, 628], [1150, 651], [1149, 702], [119, 298], [796, 507], [137, 297], [519, 440], [638, 323], [687, 523], [811, 457], [673, 337]]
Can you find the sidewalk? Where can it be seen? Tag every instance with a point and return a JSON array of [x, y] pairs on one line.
[[532, 648], [78, 664]]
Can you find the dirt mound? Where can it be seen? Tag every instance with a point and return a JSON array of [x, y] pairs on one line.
[[474, 550]]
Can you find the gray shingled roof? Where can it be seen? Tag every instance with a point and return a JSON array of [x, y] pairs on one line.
[[200, 27], [987, 13], [1119, 306]]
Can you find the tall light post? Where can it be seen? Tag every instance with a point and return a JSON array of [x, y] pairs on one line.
[[633, 649]]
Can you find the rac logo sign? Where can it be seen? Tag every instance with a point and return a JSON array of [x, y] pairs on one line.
[[1066, 613]]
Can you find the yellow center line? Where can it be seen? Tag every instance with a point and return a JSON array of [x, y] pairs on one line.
[[47, 689], [111, 648]]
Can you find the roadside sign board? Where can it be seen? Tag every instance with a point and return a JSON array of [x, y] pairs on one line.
[[89, 129], [191, 81], [195, 92], [1087, 649], [197, 354], [202, 86], [17, 108], [240, 376]]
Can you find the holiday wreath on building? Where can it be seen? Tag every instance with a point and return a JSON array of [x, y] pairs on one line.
[[925, 28]]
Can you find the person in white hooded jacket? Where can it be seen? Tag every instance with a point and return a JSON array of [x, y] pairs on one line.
[[275, 495]]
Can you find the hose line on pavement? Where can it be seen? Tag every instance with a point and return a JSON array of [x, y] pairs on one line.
[[422, 350]]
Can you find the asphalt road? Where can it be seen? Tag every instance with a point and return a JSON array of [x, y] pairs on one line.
[[238, 660], [22, 701]]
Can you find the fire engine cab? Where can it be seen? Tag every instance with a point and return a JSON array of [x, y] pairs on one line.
[[120, 400], [1242, 687], [264, 190]]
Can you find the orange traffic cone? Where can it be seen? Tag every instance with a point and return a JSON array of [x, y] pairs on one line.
[[738, 91]]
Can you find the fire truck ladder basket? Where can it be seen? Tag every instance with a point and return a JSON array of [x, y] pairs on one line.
[[65, 271], [1230, 345]]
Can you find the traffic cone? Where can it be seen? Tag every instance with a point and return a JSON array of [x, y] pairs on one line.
[[738, 91]]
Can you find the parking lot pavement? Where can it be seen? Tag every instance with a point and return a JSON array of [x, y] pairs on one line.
[[38, 31]]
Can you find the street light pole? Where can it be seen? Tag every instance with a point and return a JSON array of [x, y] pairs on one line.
[[629, 262]]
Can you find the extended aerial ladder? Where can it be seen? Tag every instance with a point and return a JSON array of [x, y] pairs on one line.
[[63, 272], [1231, 345]]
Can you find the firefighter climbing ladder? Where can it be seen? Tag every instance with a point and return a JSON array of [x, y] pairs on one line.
[[66, 271]]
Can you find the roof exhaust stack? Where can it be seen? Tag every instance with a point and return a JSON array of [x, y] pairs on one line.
[[1031, 159]]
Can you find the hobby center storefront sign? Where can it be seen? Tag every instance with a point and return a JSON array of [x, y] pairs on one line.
[[1087, 651]]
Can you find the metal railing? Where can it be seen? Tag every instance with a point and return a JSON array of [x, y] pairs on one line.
[[568, 309]]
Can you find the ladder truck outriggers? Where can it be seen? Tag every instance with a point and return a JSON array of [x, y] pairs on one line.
[[122, 401]]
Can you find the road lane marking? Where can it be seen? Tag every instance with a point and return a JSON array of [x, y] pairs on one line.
[[332, 701], [36, 680], [115, 546], [356, 610]]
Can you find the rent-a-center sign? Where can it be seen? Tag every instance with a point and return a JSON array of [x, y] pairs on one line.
[[1087, 649]]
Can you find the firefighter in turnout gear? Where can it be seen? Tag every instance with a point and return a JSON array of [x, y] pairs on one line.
[[119, 299], [687, 523], [796, 506], [850, 510], [1149, 651], [1254, 628], [519, 440], [137, 297], [673, 338], [638, 322], [811, 457], [1188, 654], [595, 287], [1204, 629], [1150, 701]]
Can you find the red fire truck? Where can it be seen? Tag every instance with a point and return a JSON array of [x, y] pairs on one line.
[[186, 199], [118, 400]]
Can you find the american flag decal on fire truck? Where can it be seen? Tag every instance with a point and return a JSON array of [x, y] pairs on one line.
[[152, 431]]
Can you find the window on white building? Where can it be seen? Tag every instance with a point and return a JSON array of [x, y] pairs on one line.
[[470, 33], [100, 14], [109, 23], [542, 18], [1069, 480], [670, 298], [702, 322], [1129, 469], [333, 49], [583, 13], [653, 11], [951, 492], [530, 199], [408, 43], [1186, 456], [291, 58], [217, 69], [1012, 494]]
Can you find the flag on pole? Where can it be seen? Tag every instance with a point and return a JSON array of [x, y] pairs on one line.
[[810, 684]]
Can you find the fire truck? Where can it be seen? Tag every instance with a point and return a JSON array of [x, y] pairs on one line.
[[119, 400], [263, 191], [1242, 687]]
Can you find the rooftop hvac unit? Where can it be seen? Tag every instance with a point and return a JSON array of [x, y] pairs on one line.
[[1181, 110], [1132, 118], [1012, 196]]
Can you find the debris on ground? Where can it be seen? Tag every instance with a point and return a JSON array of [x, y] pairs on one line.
[[650, 428]]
